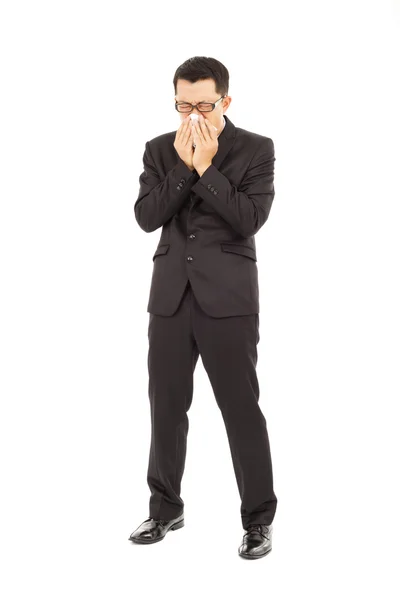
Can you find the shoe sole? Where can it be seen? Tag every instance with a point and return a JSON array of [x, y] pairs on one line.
[[177, 525], [251, 556]]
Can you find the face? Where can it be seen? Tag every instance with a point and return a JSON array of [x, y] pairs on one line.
[[202, 91]]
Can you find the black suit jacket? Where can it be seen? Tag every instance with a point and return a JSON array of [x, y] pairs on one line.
[[208, 222]]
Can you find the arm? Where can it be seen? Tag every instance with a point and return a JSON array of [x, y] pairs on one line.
[[158, 199], [247, 209]]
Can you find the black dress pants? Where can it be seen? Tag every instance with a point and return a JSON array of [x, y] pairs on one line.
[[228, 348]]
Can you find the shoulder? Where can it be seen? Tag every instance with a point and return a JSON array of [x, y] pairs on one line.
[[162, 140], [260, 146], [256, 139]]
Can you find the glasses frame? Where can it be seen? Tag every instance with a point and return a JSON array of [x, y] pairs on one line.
[[214, 104]]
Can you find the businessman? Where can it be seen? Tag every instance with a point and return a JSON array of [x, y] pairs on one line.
[[210, 186]]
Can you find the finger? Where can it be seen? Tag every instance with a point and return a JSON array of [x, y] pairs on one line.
[[195, 134], [206, 129], [200, 133], [190, 131], [189, 125], [187, 134], [182, 128], [210, 128], [179, 131]]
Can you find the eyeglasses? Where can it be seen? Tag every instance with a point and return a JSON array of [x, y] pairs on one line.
[[202, 107]]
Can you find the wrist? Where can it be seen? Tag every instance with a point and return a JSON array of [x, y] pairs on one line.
[[203, 168]]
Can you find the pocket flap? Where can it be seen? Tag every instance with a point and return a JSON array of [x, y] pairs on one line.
[[239, 249], [162, 249]]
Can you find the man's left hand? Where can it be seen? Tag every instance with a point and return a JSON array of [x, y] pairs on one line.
[[205, 138]]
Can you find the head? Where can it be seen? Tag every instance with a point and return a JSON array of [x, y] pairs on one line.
[[203, 79]]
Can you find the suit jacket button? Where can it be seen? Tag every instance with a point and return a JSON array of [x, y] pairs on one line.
[[212, 189], [209, 185], [192, 236], [215, 192], [190, 257]]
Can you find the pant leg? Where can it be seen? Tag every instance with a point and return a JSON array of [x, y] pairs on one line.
[[228, 348], [172, 359]]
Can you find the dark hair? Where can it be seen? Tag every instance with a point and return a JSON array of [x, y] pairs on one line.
[[204, 67]]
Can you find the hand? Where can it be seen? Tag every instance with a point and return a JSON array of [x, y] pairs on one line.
[[183, 143], [205, 138]]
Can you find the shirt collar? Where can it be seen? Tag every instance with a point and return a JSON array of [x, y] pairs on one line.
[[222, 127]]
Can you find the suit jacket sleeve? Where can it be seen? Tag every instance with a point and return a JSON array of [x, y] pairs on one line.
[[245, 208], [159, 199]]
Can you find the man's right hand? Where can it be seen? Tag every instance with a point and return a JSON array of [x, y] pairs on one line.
[[183, 143]]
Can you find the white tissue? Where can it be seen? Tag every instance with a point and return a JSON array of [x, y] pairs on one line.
[[195, 117]]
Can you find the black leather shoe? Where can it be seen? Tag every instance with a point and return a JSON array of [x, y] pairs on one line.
[[154, 530], [257, 541]]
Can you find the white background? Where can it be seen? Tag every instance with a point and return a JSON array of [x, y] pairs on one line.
[[84, 86]]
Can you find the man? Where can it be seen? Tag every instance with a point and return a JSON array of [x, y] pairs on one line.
[[209, 185]]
